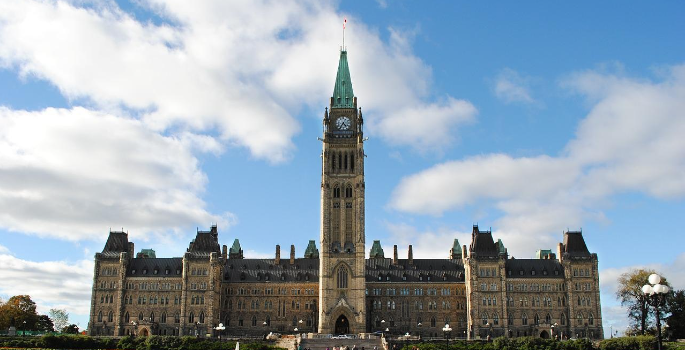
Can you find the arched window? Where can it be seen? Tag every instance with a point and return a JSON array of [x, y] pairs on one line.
[[591, 319], [348, 191], [495, 319], [342, 277], [127, 318], [537, 319], [254, 321], [563, 319], [548, 319], [433, 321], [268, 320], [110, 317], [163, 319], [484, 318], [524, 319], [377, 321], [510, 319], [202, 317], [152, 317], [100, 316], [140, 316], [579, 319], [191, 318]]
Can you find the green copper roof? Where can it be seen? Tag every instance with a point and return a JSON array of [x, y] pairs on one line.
[[456, 245], [311, 252], [502, 250], [147, 253], [376, 250], [543, 253], [235, 248], [343, 96]]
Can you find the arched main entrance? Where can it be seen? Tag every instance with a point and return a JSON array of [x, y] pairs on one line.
[[342, 325], [544, 335], [144, 332]]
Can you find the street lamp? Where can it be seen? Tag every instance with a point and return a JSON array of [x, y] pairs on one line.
[[487, 325], [419, 327], [466, 344], [554, 326], [220, 328], [23, 331], [446, 331], [135, 325], [197, 325], [656, 293]]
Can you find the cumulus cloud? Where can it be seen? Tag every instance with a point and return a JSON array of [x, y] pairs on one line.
[[512, 87], [71, 173], [630, 141], [240, 68], [51, 284]]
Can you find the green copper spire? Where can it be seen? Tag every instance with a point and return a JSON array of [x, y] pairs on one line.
[[376, 250], [343, 96], [311, 252], [235, 252], [502, 249]]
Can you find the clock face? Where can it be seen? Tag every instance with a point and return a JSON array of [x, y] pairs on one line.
[[343, 123]]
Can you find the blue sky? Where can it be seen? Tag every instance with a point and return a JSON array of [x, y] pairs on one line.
[[163, 116]]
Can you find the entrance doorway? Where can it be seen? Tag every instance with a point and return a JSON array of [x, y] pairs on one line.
[[144, 332], [342, 325], [544, 335]]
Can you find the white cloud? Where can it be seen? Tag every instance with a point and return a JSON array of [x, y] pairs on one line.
[[512, 87], [630, 141], [4, 250], [73, 173], [51, 284], [242, 69]]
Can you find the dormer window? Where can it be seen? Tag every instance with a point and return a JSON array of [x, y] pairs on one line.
[[532, 272], [155, 271], [133, 271], [144, 271]]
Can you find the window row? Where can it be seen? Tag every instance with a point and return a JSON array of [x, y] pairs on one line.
[[536, 287], [342, 161], [155, 271], [544, 300]]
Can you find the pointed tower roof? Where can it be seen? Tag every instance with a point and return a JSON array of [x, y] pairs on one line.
[[311, 252], [343, 96], [235, 252], [377, 250]]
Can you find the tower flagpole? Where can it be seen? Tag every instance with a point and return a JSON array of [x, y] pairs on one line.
[[343, 43]]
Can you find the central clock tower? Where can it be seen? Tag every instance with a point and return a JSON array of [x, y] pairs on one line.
[[342, 277]]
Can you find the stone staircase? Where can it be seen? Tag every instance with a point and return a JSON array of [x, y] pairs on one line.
[[323, 343]]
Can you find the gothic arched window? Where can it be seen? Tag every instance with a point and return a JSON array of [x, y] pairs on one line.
[[342, 277], [110, 317]]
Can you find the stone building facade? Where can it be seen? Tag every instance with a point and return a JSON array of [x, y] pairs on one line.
[[479, 290]]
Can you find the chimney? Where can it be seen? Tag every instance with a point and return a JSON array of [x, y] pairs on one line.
[[224, 252], [394, 254], [411, 256], [560, 250], [292, 254], [277, 261], [131, 249]]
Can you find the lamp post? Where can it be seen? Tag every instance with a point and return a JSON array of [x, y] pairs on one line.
[[300, 322], [135, 325], [197, 325], [418, 325], [23, 330], [220, 328], [656, 293], [554, 326], [466, 343], [446, 331], [487, 325], [382, 324]]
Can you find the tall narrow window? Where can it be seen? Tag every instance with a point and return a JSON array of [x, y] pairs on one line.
[[352, 162], [110, 317], [342, 277], [100, 316]]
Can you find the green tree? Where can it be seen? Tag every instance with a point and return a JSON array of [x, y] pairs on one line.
[[17, 310], [676, 321], [45, 324], [70, 329], [630, 294], [60, 317]]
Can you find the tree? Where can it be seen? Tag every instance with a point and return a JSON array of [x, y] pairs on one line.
[[70, 329], [17, 310], [45, 324], [60, 317], [630, 294], [676, 321]]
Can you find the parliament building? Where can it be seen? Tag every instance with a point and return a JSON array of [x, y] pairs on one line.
[[333, 288]]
